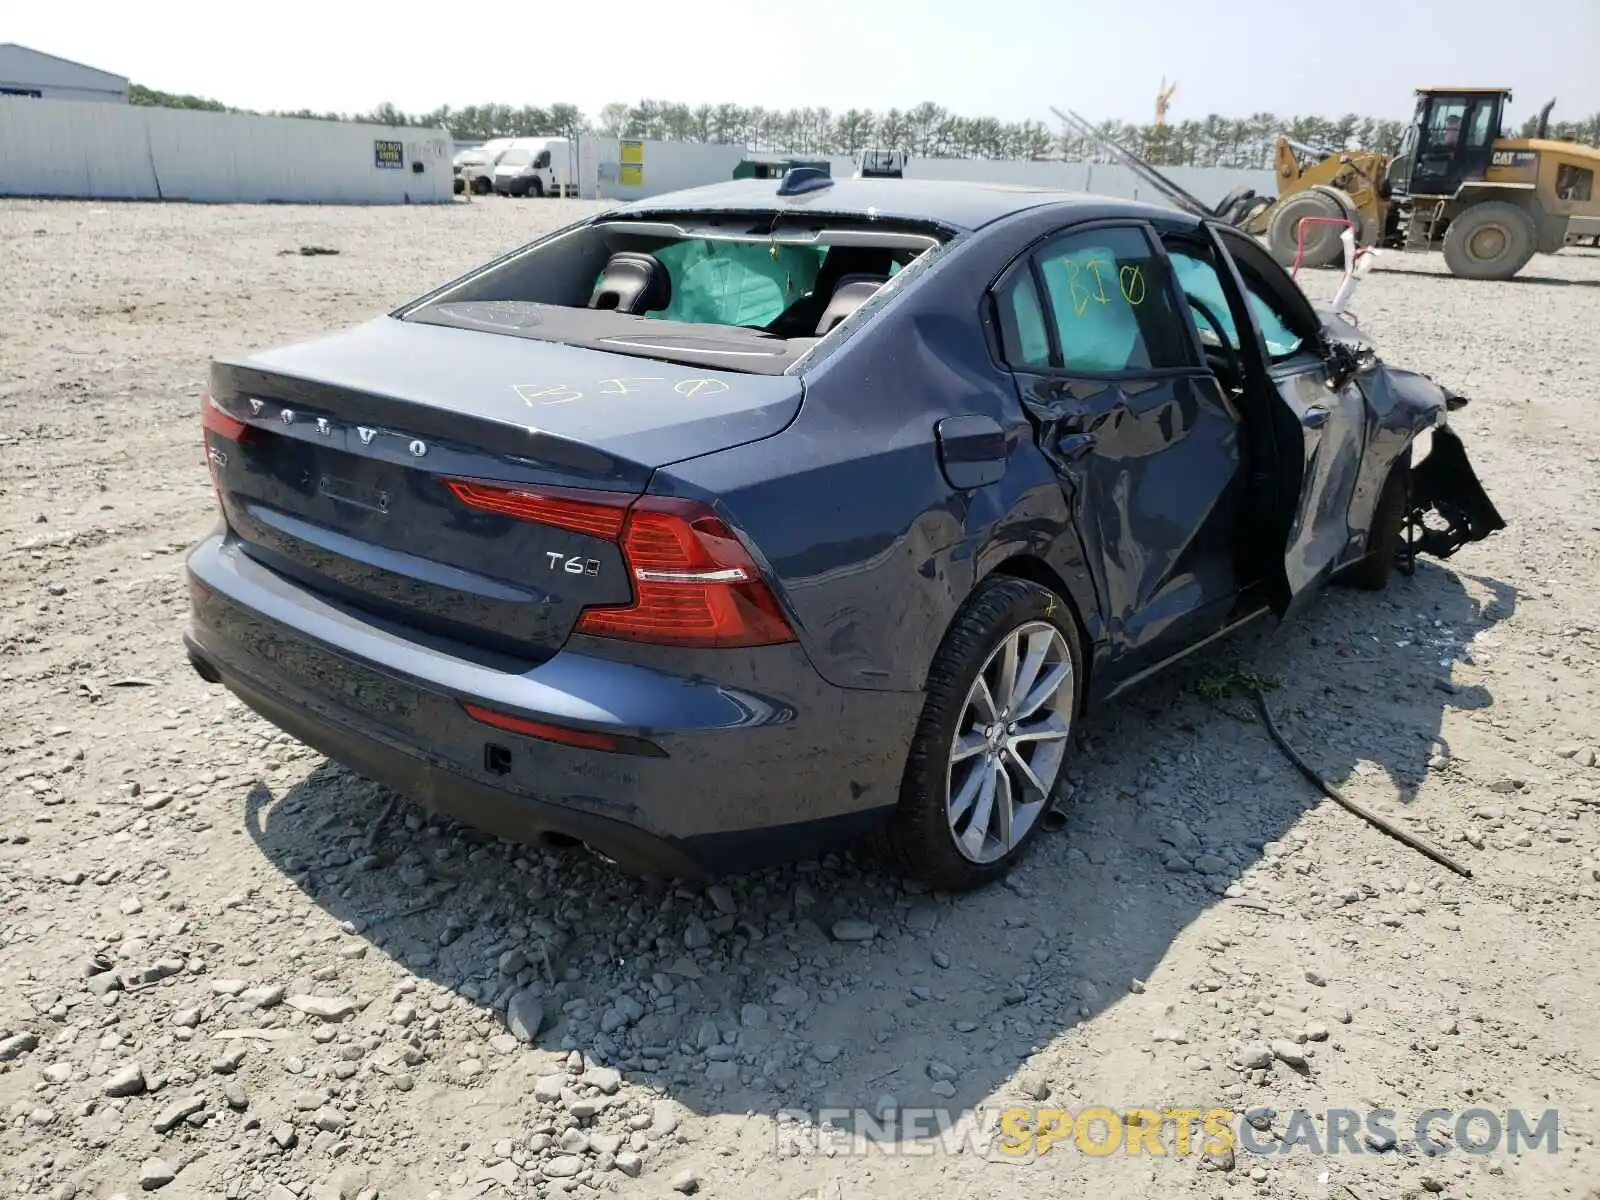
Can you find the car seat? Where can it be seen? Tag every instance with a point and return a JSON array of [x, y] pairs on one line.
[[849, 294], [632, 283]]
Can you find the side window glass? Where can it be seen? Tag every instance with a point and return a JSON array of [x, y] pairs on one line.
[[1282, 342], [1096, 302], [1479, 135], [1444, 124], [1197, 276], [1022, 324], [1199, 279], [1108, 303]]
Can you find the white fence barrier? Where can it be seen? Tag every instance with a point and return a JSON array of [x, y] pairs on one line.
[[134, 152]]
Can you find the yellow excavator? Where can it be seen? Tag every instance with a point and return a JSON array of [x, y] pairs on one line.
[[1489, 202]]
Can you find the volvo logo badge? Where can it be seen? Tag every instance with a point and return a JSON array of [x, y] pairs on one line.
[[366, 434], [255, 408], [323, 427], [287, 416], [418, 449]]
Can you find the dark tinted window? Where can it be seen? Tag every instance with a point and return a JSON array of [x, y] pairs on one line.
[[1105, 307]]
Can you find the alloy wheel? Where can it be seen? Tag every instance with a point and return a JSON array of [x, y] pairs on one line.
[[1010, 742]]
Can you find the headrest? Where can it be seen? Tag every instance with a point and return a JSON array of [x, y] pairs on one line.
[[848, 295], [633, 283]]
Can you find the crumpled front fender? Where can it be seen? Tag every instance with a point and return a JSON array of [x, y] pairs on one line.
[[1449, 507]]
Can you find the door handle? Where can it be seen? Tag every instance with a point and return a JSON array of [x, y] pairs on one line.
[[1316, 417]]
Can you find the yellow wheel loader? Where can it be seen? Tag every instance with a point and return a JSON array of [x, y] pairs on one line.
[[1456, 184], [1489, 202]]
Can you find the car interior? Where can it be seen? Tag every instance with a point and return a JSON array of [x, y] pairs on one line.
[[760, 275]]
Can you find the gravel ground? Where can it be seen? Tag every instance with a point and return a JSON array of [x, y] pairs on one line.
[[221, 974]]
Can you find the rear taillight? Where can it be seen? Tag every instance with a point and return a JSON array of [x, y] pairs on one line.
[[214, 420], [599, 514], [227, 428], [694, 584]]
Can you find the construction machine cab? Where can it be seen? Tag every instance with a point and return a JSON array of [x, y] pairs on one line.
[[1449, 142]]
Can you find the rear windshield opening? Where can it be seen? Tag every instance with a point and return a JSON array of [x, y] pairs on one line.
[[745, 293]]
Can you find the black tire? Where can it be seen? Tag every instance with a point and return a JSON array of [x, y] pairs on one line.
[[1347, 208], [918, 840], [1493, 240], [1235, 200], [1371, 573], [1322, 241], [536, 190], [481, 186]]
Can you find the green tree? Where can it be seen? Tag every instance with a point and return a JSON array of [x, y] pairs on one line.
[[854, 130], [139, 94], [926, 130]]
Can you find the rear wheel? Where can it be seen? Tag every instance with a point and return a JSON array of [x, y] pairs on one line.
[[1383, 535], [481, 186], [1321, 240], [992, 740], [1494, 240]]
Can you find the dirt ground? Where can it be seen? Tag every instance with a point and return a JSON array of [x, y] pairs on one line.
[[221, 976]]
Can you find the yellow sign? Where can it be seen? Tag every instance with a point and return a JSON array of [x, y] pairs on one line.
[[632, 161]]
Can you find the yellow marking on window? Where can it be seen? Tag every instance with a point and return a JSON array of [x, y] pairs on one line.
[[1130, 281]]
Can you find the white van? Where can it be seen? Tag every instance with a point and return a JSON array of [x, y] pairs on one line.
[[474, 168], [540, 166]]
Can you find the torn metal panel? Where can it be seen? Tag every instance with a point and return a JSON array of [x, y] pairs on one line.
[[1403, 405], [1449, 507]]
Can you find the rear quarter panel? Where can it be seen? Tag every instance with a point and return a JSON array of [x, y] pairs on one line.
[[872, 549]]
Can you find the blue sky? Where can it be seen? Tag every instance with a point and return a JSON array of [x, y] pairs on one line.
[[1007, 58]]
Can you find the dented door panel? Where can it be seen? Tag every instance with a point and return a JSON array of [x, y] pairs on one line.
[[1151, 471], [1333, 425]]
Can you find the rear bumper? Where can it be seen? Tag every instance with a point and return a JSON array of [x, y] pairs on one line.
[[745, 777]]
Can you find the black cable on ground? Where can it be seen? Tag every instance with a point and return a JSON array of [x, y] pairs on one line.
[[1366, 814]]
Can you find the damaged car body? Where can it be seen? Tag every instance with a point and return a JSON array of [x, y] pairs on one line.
[[743, 523]]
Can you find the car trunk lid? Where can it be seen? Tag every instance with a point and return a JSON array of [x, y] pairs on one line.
[[333, 461]]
